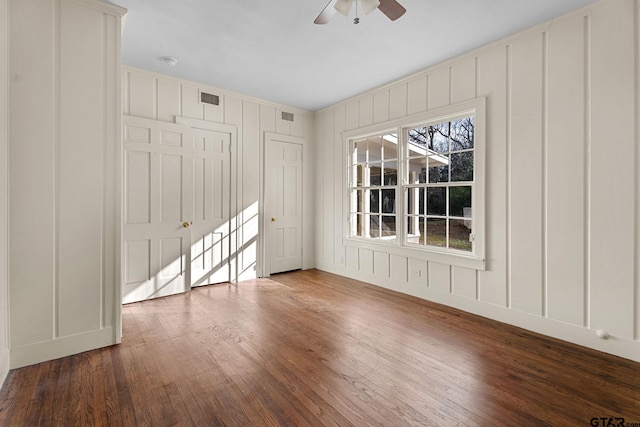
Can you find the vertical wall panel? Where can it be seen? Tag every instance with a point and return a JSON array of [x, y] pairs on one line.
[[418, 272], [191, 106], [381, 106], [168, 100], [352, 262], [492, 78], [526, 177], [328, 181], [365, 111], [463, 80], [381, 264], [300, 126], [352, 115], [214, 113], [321, 220], [417, 95], [4, 166], [612, 182], [398, 269], [267, 118], [250, 150], [565, 157], [464, 282], [365, 261], [32, 203], [142, 97], [398, 101], [339, 182], [439, 88], [440, 277]]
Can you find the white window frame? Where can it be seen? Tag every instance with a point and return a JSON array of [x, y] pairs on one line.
[[474, 260]]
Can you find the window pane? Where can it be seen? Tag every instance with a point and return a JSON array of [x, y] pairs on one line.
[[390, 173], [375, 175], [390, 147], [359, 175], [462, 134], [437, 137], [388, 226], [374, 201], [358, 225], [437, 232], [437, 201], [418, 137], [356, 200], [415, 201], [388, 201], [360, 151], [414, 232], [438, 169], [374, 226], [459, 235], [375, 149], [417, 170], [462, 166], [459, 198]]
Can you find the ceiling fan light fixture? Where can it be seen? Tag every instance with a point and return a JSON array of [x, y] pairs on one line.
[[369, 6], [344, 6]]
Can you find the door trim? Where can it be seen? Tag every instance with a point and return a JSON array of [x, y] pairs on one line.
[[264, 269], [232, 130]]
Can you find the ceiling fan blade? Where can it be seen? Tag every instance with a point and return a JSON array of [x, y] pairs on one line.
[[344, 6], [326, 14], [392, 9], [369, 6]]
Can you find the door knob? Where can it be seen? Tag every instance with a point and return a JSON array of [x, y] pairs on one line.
[[273, 219], [186, 224]]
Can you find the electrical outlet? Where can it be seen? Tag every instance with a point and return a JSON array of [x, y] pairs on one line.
[[416, 272]]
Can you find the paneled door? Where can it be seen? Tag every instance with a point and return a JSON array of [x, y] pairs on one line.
[[283, 203], [210, 231], [158, 208], [177, 208]]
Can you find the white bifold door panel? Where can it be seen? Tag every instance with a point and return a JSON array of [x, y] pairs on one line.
[[210, 246], [283, 204], [176, 208]]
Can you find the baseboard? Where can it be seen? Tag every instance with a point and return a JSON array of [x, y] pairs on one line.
[[615, 345], [4, 366], [61, 347]]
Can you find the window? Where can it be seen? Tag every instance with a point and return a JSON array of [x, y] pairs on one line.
[[418, 185], [439, 172], [374, 187]]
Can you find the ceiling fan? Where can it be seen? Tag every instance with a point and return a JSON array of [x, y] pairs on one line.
[[391, 8]]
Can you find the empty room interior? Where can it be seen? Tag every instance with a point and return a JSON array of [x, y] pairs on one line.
[[329, 212]]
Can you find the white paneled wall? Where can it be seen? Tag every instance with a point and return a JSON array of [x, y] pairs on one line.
[[4, 241], [160, 97], [562, 189], [64, 117]]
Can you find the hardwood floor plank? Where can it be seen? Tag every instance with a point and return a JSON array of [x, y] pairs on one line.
[[315, 349]]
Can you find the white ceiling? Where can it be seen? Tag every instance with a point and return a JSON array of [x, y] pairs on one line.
[[270, 49]]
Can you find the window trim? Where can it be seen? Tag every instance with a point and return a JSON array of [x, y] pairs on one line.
[[475, 260]]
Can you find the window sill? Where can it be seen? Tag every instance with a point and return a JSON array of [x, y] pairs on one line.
[[432, 255]]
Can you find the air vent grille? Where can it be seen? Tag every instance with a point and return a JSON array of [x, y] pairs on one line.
[[287, 116], [209, 98]]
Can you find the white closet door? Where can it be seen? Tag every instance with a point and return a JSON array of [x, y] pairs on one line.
[[283, 204], [157, 208], [211, 226]]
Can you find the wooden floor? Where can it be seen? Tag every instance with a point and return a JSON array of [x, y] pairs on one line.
[[311, 348]]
